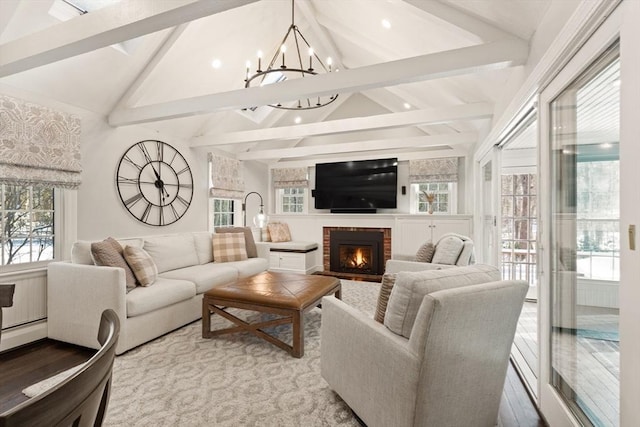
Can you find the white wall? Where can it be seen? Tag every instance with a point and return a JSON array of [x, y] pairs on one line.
[[100, 210]]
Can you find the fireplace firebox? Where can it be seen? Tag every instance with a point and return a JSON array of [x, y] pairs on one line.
[[360, 252]]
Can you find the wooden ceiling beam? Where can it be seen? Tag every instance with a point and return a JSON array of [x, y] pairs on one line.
[[381, 121], [104, 27], [473, 59], [463, 20], [350, 147]]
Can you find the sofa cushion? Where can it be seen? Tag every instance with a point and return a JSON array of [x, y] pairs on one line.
[[294, 246], [279, 232], [411, 287], [172, 251], [202, 241], [249, 267], [249, 242], [228, 247], [108, 253], [204, 276], [164, 292], [81, 252], [425, 252], [142, 265], [447, 250]]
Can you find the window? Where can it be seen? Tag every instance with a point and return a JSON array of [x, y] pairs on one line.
[[519, 224], [223, 212], [444, 194], [292, 200], [26, 217]]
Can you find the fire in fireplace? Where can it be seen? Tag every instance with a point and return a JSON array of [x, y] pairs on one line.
[[359, 252], [355, 258]]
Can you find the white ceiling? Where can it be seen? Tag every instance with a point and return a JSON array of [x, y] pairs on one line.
[[166, 81]]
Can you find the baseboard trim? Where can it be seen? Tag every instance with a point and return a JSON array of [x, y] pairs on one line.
[[21, 335]]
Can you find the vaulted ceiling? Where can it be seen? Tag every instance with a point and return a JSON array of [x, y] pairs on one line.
[[427, 84]]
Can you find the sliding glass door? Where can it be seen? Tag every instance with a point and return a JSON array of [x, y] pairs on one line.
[[582, 268]]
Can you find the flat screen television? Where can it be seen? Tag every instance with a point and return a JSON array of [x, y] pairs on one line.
[[358, 186]]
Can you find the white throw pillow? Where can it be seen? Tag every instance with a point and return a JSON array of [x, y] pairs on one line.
[[447, 250]]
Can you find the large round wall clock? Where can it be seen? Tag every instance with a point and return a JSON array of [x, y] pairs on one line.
[[154, 182]]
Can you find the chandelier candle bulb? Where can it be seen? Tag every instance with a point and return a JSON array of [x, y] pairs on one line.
[[259, 61], [248, 69], [283, 49], [329, 63], [310, 59]]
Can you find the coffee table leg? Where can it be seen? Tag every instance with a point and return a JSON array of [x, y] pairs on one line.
[[298, 334], [338, 293], [206, 319]]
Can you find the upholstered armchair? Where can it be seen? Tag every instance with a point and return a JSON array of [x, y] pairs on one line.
[[451, 250], [440, 357]]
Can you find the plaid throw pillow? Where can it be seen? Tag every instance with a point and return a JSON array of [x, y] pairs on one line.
[[229, 247], [142, 265]]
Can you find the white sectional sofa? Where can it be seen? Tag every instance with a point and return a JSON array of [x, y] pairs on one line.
[[79, 291]]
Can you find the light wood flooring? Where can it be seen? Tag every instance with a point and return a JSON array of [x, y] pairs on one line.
[[589, 361]]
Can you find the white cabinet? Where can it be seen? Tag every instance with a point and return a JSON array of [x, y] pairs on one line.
[[292, 262], [412, 233]]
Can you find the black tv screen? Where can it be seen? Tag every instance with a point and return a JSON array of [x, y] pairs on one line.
[[358, 186]]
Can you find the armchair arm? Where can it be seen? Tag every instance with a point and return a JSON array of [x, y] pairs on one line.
[[263, 250], [77, 295], [370, 367]]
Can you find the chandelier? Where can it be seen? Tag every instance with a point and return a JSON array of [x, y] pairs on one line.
[[277, 70]]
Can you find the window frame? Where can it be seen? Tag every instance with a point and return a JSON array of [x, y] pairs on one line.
[[280, 198], [234, 212], [59, 240], [414, 198]]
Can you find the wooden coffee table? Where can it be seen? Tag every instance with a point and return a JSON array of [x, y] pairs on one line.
[[285, 294]]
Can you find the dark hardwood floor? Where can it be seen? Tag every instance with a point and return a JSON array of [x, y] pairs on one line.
[[19, 368], [29, 364]]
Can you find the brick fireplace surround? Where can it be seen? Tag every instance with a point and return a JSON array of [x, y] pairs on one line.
[[326, 245]]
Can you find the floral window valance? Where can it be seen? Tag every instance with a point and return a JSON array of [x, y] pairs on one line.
[[290, 178], [38, 145], [227, 181], [433, 170]]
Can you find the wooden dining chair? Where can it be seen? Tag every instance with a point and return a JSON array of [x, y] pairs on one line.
[[80, 400]]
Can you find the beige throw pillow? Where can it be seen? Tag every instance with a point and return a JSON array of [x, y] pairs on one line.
[[279, 232], [142, 265], [425, 253], [109, 253], [229, 247], [388, 281]]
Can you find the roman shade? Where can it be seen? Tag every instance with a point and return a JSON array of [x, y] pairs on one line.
[[433, 170], [227, 181], [290, 178], [38, 145]]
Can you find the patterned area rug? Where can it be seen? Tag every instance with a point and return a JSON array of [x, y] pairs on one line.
[[232, 380]]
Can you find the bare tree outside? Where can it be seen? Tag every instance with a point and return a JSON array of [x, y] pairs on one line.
[[27, 217]]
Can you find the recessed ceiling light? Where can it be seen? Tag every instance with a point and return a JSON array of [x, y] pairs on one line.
[[386, 24], [407, 106], [216, 63], [298, 119]]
